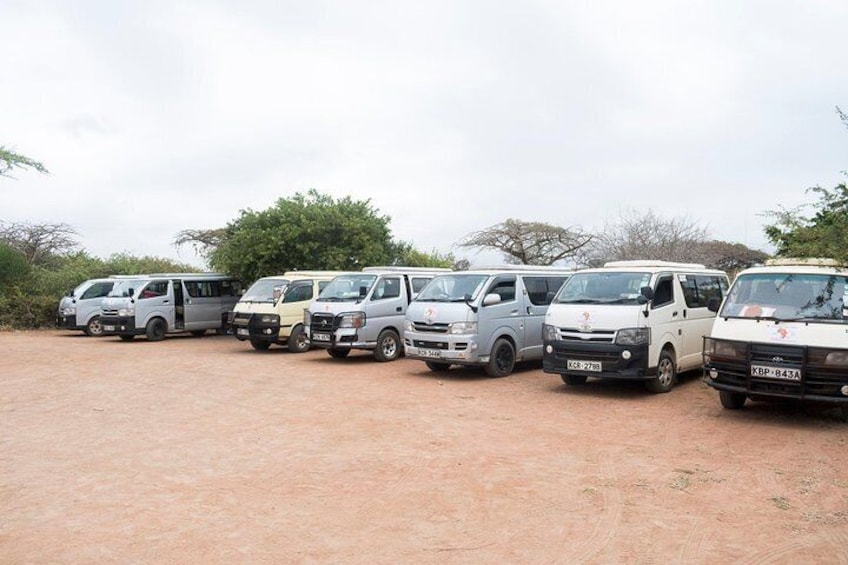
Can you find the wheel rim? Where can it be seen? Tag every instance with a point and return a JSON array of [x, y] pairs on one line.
[[389, 346], [94, 327], [665, 371], [302, 342]]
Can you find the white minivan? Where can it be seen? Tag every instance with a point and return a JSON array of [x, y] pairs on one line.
[[365, 310], [637, 320], [164, 303], [488, 317], [782, 333]]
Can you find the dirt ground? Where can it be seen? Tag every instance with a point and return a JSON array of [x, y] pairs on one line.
[[202, 450]]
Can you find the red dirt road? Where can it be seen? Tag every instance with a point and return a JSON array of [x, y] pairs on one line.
[[201, 450]]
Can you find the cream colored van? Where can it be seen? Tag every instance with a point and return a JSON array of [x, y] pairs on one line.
[[271, 311]]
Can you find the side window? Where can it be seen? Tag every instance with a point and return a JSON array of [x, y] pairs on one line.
[[154, 289], [321, 285], [418, 283], [230, 288], [664, 293], [505, 288], [299, 293], [97, 290], [192, 288], [540, 290], [698, 289], [388, 287]]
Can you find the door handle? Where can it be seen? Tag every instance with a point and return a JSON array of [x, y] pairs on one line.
[[514, 312], [529, 312], [165, 301], [399, 309], [674, 314]]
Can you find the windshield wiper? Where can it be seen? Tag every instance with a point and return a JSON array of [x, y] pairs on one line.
[[620, 301], [581, 301], [807, 319]]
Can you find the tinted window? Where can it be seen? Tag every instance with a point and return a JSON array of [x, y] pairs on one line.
[[540, 290], [698, 289], [388, 287], [203, 289], [505, 288], [418, 283], [664, 293], [154, 289], [299, 293]]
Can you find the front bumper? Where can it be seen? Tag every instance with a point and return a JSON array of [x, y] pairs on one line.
[[119, 325], [614, 362], [456, 349], [67, 322], [250, 327]]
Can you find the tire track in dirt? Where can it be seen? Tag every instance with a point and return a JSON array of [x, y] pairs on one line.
[[606, 527]]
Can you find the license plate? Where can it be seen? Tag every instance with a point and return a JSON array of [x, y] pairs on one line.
[[431, 353], [108, 328], [576, 365], [320, 337], [242, 331], [767, 372]]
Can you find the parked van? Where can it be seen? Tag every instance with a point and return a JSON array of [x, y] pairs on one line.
[[491, 318], [642, 320], [365, 310], [158, 304], [79, 309], [271, 310], [782, 333]]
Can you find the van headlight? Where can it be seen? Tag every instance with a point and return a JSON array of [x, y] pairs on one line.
[[352, 320], [69, 311], [719, 348], [409, 325], [129, 311], [307, 317], [462, 328], [633, 336], [549, 332], [269, 319]]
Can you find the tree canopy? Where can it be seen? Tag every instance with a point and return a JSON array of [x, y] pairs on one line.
[[823, 234], [311, 231], [529, 243], [9, 160]]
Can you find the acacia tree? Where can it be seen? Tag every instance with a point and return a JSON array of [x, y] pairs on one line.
[[39, 243], [647, 236], [529, 243], [10, 160], [727, 256]]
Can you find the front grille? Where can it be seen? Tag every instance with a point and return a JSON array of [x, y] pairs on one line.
[[595, 336], [323, 322], [430, 344], [603, 356], [110, 312], [424, 327]]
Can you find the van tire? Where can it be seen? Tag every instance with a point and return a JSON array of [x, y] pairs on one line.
[[666, 374], [298, 342], [574, 380], [126, 337], [731, 400], [198, 333], [336, 353], [156, 329], [502, 360], [259, 345], [437, 367], [93, 327], [388, 346]]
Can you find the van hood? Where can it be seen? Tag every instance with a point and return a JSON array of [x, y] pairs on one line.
[[595, 317], [316, 307], [254, 308], [114, 302], [439, 312]]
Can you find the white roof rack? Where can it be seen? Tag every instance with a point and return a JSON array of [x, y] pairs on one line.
[[654, 263]]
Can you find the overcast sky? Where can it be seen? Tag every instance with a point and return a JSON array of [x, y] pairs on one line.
[[451, 116]]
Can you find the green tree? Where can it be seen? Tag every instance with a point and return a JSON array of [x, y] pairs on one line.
[[306, 231], [822, 234], [406, 255], [13, 266], [9, 160]]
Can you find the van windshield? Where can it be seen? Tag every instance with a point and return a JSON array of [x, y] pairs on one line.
[[603, 288], [263, 290], [788, 296], [347, 288], [123, 286], [452, 288]]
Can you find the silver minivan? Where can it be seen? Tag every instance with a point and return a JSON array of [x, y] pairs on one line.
[[79, 309], [164, 303], [491, 318], [365, 310]]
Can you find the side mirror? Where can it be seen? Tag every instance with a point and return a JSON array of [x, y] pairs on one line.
[[641, 299], [278, 291], [129, 292], [363, 290], [713, 304], [647, 293], [491, 299]]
